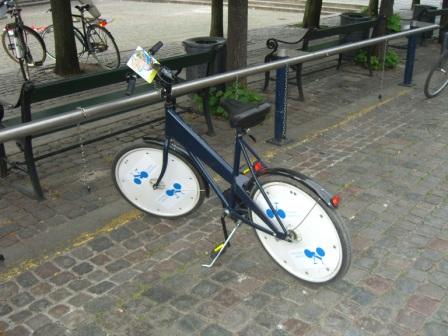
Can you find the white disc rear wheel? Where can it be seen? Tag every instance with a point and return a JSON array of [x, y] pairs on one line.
[[135, 171], [321, 251]]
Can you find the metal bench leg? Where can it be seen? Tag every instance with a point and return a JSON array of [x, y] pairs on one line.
[[339, 62], [299, 81], [267, 74], [3, 163], [369, 63], [206, 108], [31, 167]]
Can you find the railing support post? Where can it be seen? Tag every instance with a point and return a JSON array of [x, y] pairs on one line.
[[281, 106], [410, 59]]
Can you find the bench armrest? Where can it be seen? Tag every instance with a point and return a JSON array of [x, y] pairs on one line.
[[273, 43]]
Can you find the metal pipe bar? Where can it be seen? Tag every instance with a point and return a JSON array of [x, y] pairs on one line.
[[76, 116]]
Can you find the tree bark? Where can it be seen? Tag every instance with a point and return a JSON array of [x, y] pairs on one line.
[[237, 34], [66, 56], [386, 10], [216, 27], [372, 10], [311, 17]]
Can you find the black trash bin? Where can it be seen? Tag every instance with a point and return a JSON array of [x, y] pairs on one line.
[[350, 18], [205, 43], [418, 9]]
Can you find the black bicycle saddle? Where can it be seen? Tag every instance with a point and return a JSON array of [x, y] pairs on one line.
[[245, 115]]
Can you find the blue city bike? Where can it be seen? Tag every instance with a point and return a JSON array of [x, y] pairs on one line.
[[293, 216]]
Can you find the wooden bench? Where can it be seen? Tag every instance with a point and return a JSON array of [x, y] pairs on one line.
[[32, 93], [319, 39]]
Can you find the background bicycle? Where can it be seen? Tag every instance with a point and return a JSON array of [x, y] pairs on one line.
[[91, 38], [437, 79], [21, 43]]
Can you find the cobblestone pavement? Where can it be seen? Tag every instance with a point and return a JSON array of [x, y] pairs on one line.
[[113, 271]]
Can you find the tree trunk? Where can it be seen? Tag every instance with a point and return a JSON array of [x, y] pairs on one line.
[[237, 34], [372, 10], [66, 56], [311, 17], [216, 27], [386, 10]]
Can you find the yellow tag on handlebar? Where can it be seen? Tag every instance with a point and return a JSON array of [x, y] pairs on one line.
[[144, 64]]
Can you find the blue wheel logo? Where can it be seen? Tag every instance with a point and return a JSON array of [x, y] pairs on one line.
[[177, 188], [140, 176], [271, 214], [318, 255]]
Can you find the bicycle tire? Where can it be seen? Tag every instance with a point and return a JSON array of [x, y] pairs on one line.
[[138, 166], [48, 38], [33, 41], [322, 251], [102, 46], [437, 79]]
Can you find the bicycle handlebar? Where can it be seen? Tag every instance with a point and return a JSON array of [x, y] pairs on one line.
[[155, 48]]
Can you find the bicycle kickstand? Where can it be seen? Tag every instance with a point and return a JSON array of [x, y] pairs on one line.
[[226, 243]]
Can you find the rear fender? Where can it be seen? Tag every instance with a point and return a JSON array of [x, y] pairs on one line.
[[179, 150], [315, 187]]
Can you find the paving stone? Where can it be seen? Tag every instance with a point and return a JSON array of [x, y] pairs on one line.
[[423, 304], [39, 305], [257, 300], [227, 298], [20, 316], [224, 276], [82, 268], [159, 294], [370, 325], [62, 278], [205, 289], [27, 279], [101, 288], [124, 276], [121, 234], [99, 305], [51, 329], [215, 330], [58, 311], [410, 319], [7, 290], [82, 253], [18, 331], [435, 329], [97, 275], [253, 330], [64, 261], [60, 294], [274, 287], [75, 318], [184, 302], [46, 270], [79, 299], [100, 244], [41, 289], [22, 299], [362, 296], [79, 284], [117, 265], [38, 321], [189, 324], [91, 329], [163, 316], [5, 309], [100, 259]]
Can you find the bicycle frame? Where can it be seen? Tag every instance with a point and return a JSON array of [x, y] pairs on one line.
[[201, 153]]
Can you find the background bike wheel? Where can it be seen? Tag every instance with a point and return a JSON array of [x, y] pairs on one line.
[[136, 169], [437, 79], [322, 251], [103, 47], [48, 37], [34, 43]]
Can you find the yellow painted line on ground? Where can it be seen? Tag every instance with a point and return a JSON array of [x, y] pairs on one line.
[[82, 239], [136, 214]]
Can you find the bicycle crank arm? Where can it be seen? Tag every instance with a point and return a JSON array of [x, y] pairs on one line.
[[227, 241]]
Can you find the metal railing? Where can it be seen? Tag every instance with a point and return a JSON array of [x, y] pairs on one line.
[[82, 113]]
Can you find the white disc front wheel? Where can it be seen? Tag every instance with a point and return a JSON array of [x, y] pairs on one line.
[[320, 251], [135, 171]]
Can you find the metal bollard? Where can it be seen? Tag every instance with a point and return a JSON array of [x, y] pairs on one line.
[[281, 105], [410, 59]]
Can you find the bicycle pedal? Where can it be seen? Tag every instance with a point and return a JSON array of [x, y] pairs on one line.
[[217, 249]]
